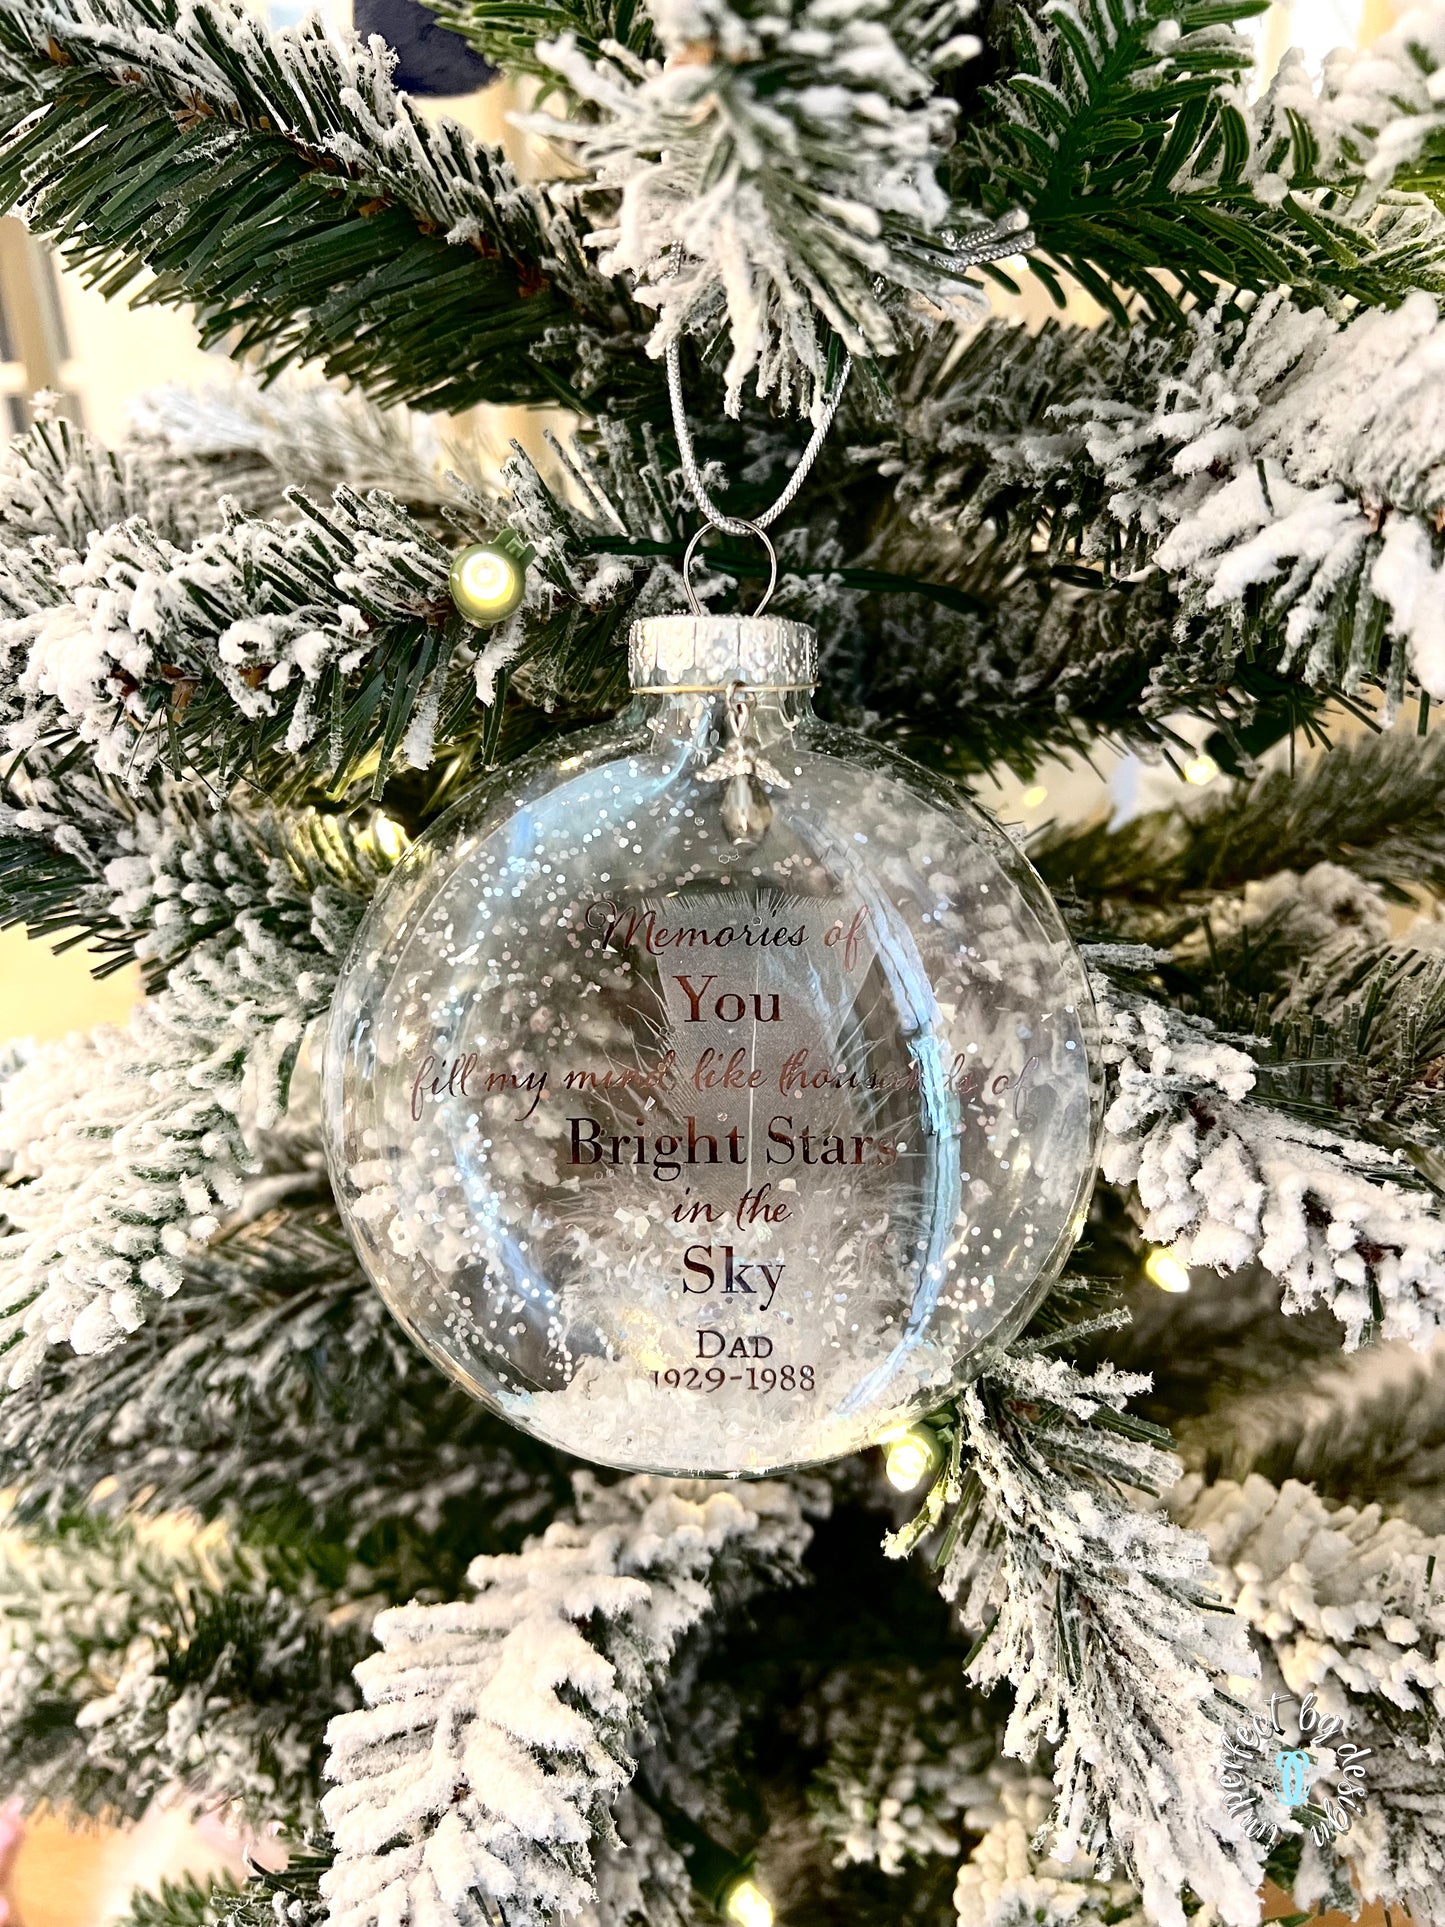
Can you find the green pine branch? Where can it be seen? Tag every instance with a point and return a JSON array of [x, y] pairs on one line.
[[1118, 126], [57, 898], [969, 652], [142, 1659], [300, 656], [286, 655], [157, 879], [1337, 1061], [1370, 805], [998, 482], [230, 166], [323, 654], [1366, 1428], [293, 655], [292, 1895], [275, 1390], [1356, 1040], [252, 443], [507, 32], [180, 1903], [58, 484], [1248, 902], [1247, 1387], [1084, 1601], [1226, 1335]]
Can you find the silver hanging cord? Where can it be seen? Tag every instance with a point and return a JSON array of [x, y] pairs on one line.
[[733, 524], [1011, 235]]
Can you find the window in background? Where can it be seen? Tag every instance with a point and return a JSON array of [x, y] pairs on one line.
[[1317, 27], [34, 347]]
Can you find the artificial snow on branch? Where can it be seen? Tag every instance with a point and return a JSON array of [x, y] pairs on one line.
[[904, 1768], [641, 1878], [399, 253], [1222, 503], [58, 484], [1226, 1181], [1298, 459], [498, 1731], [126, 1149], [1100, 1615], [276, 1383], [1358, 1038], [1327, 915], [508, 33], [255, 442], [1282, 468], [291, 1896], [1011, 1880], [1347, 1605], [138, 1659], [997, 667], [1374, 109], [322, 644], [58, 487], [1269, 907], [260, 638], [59, 835], [779, 169], [327, 93]]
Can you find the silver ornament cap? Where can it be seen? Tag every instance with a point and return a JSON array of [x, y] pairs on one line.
[[715, 652]]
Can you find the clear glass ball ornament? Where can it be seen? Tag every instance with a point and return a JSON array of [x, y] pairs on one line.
[[704, 1092]]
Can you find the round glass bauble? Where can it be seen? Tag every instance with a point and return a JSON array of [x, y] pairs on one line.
[[704, 1093]]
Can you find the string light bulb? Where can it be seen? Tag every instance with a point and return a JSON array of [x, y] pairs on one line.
[[746, 1905], [1200, 769], [722, 1879], [910, 1458], [388, 837], [1163, 1269], [1033, 796], [487, 581]]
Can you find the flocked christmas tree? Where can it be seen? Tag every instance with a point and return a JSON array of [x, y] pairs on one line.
[[258, 1551]]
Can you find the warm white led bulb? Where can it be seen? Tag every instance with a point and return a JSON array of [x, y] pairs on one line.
[[1201, 769], [1166, 1271], [388, 836], [746, 1905], [911, 1458], [486, 583]]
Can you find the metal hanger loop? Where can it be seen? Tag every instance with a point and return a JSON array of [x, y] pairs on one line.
[[733, 527]]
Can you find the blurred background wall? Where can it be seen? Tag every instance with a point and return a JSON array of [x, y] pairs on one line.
[[57, 334]]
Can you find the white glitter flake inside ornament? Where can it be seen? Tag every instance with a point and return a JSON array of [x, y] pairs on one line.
[[704, 1092]]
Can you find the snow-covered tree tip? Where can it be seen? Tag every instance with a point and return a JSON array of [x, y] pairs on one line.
[[780, 168], [497, 1731], [1227, 1182]]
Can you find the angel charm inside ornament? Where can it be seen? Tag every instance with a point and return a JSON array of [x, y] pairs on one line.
[[704, 1093]]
